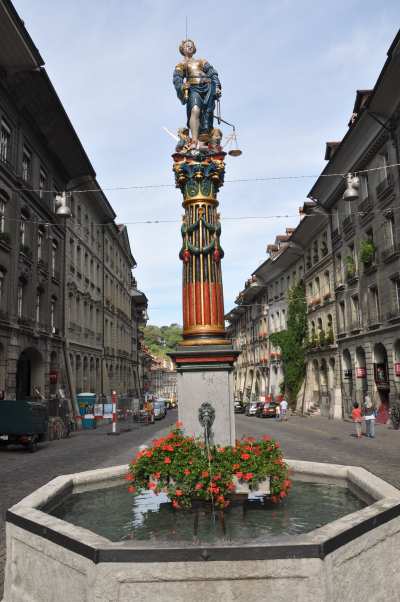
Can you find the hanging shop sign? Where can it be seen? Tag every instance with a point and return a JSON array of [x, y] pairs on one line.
[[397, 368], [361, 372], [53, 377]]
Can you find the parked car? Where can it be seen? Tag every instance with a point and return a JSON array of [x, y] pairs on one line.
[[160, 409], [238, 406], [268, 409], [23, 422], [252, 407]]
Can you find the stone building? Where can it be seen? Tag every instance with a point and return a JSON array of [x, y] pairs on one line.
[[348, 256], [365, 233], [69, 312]]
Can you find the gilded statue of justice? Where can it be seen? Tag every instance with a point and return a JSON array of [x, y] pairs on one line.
[[198, 86]]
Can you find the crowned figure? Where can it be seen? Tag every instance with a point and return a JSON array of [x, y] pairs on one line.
[[197, 85]]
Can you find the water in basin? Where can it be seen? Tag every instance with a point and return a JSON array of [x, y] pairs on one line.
[[115, 514]]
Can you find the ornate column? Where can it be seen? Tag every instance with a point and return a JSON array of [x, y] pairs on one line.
[[199, 178], [204, 360]]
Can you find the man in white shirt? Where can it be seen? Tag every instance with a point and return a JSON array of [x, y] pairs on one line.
[[284, 408]]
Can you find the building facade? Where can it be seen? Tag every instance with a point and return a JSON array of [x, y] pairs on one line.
[[69, 306], [348, 258]]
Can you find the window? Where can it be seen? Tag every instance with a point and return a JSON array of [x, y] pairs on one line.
[[383, 161], [396, 291], [364, 191], [342, 315], [20, 298], [53, 315], [26, 165], [374, 308], [2, 214], [5, 142], [42, 183], [355, 310], [388, 230], [40, 241], [2, 280], [22, 229], [37, 308], [79, 214], [53, 258]]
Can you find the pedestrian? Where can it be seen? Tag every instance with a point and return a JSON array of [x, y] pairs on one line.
[[278, 411], [284, 408], [357, 418], [369, 417]]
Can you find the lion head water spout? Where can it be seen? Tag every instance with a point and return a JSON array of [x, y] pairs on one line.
[[206, 419]]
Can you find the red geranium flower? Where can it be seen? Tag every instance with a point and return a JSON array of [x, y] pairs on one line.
[[175, 504], [266, 438], [132, 489], [178, 424], [178, 492], [186, 471], [248, 476], [149, 454], [239, 475], [167, 460], [204, 474], [157, 475], [245, 456], [198, 486], [235, 466], [129, 477], [168, 448], [151, 485]]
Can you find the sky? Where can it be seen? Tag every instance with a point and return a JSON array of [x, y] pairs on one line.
[[289, 71]]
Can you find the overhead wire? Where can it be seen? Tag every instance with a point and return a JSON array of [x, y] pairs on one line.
[[229, 181]]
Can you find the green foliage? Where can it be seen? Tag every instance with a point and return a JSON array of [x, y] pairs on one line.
[[350, 266], [184, 469], [162, 340], [367, 251], [292, 342], [322, 338]]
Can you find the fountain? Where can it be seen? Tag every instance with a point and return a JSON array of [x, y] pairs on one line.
[[83, 537]]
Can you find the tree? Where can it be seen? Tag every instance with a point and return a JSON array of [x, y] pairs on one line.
[[292, 342], [162, 340]]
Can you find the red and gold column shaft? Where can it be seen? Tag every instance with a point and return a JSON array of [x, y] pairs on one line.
[[199, 177]]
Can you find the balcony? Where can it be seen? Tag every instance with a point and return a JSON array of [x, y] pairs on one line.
[[365, 210], [355, 324], [348, 223], [336, 236], [374, 319], [390, 252], [5, 240], [385, 190], [393, 315]]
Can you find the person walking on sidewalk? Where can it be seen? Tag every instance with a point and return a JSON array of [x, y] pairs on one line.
[[369, 417], [357, 419], [277, 411], [284, 408]]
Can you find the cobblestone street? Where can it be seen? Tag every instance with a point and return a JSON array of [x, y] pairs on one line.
[[21, 472], [323, 440], [312, 438]]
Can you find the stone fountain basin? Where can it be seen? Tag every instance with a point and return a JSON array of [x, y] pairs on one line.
[[353, 558]]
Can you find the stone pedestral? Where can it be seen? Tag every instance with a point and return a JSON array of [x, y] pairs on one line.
[[204, 374]]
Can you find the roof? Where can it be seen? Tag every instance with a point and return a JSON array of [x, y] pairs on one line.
[[17, 50], [381, 102]]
